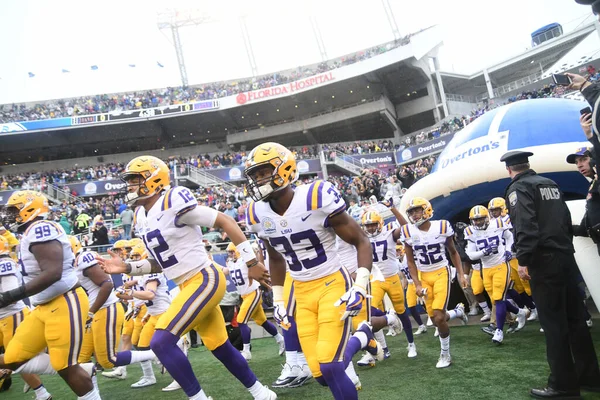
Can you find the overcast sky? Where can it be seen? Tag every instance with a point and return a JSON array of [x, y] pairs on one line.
[[45, 37]]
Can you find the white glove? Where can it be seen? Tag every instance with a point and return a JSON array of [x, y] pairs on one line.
[[354, 297], [280, 312], [421, 299]]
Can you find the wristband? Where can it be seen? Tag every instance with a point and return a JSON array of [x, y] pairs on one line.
[[245, 250], [277, 294], [141, 267], [363, 276], [90, 314]]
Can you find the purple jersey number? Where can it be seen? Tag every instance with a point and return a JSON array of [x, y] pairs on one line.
[[314, 243], [157, 245]]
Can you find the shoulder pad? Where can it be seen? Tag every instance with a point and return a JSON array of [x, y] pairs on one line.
[[446, 228], [324, 196], [8, 266], [43, 231], [405, 232], [86, 260]]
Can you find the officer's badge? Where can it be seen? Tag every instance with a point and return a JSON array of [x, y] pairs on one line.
[[512, 198]]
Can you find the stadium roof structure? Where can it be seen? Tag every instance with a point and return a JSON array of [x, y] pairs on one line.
[[534, 60]]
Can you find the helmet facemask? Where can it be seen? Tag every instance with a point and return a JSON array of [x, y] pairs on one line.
[[480, 223], [495, 212], [372, 229], [414, 217], [136, 180], [263, 180]]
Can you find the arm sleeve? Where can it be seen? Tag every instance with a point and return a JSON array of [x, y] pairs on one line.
[[200, 215], [523, 215], [472, 251], [510, 240], [581, 229]]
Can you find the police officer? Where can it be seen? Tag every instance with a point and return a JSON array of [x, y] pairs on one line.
[[543, 238]]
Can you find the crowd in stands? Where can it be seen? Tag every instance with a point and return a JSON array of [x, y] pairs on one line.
[[179, 95]]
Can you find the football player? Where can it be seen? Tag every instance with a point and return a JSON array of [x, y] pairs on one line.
[[299, 225], [251, 307], [169, 220], [425, 242], [411, 293], [521, 292], [61, 305], [489, 242], [12, 315]]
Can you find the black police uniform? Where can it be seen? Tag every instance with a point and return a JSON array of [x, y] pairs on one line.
[[544, 244]]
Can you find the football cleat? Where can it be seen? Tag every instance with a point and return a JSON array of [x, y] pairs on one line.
[[396, 324], [512, 327], [521, 319], [357, 383], [444, 361], [390, 332], [144, 382], [367, 360], [589, 323], [386, 353], [460, 311], [541, 330], [498, 337], [490, 329], [172, 387], [247, 355], [281, 344], [486, 317], [304, 375], [436, 333], [422, 329], [429, 321], [473, 311], [288, 375], [373, 345], [266, 394], [412, 350], [533, 316], [117, 373]]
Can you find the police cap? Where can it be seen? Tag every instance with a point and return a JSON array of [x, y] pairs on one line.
[[516, 157]]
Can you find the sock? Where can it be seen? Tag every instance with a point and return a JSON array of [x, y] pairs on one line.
[[292, 343], [321, 381], [516, 297], [500, 313], [245, 332], [452, 314], [354, 345], [39, 365], [389, 318], [338, 382], [278, 338], [376, 312], [416, 316], [351, 372], [362, 338], [445, 344], [199, 396], [135, 356], [510, 307], [301, 359], [291, 358], [407, 327], [94, 382], [147, 369], [256, 389], [235, 363], [164, 345], [91, 395], [41, 391], [270, 328], [527, 301], [484, 307], [380, 337], [247, 347]]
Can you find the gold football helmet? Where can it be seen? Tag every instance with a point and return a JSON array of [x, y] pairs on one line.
[[4, 246], [24, 206], [75, 245], [425, 205], [283, 165], [138, 252], [232, 251], [497, 207], [372, 223], [145, 176], [399, 250], [480, 217]]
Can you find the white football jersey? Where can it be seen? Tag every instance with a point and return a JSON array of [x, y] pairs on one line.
[[162, 297], [302, 235], [176, 247], [86, 260], [403, 266], [429, 248], [40, 232], [506, 221], [384, 251], [10, 278], [496, 234], [238, 271], [126, 278], [347, 254]]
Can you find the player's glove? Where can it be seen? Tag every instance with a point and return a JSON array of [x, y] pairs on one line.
[[129, 313], [280, 312], [389, 203], [136, 311], [508, 256], [421, 299], [488, 250], [88, 322], [123, 291], [354, 297]]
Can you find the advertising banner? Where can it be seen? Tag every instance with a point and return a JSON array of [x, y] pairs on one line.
[[236, 173], [97, 188], [424, 149], [382, 161]]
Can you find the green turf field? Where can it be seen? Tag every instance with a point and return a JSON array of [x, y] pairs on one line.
[[480, 371]]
